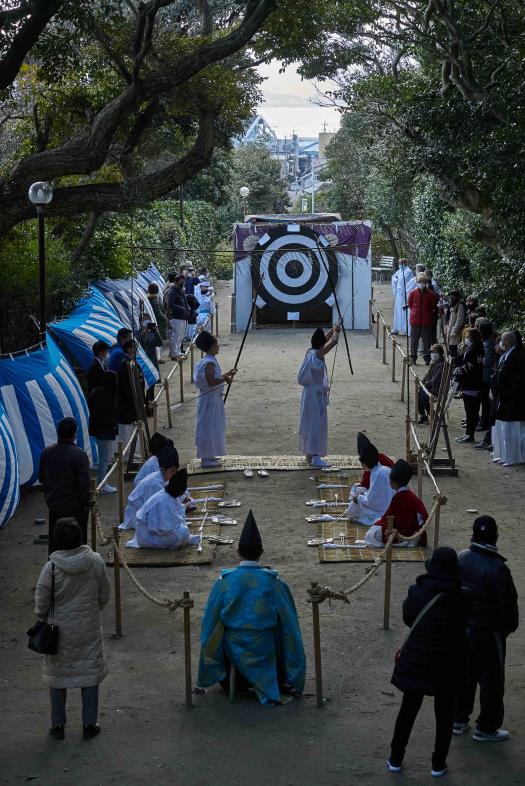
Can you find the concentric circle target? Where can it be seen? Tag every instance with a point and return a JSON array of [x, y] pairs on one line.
[[298, 270]]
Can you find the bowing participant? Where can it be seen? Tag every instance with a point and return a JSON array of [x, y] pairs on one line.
[[161, 521], [210, 432], [313, 418], [384, 460], [168, 462], [368, 505], [407, 509], [156, 444], [251, 621]]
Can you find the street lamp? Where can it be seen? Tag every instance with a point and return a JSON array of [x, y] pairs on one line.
[[41, 194], [244, 191]]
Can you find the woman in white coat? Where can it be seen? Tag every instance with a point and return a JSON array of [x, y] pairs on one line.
[[210, 432], [403, 282], [313, 418], [81, 590]]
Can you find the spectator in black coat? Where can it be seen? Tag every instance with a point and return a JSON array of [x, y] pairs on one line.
[[494, 615], [64, 474], [150, 339], [508, 433], [129, 395], [469, 376], [489, 362], [431, 380], [98, 367], [432, 661], [103, 423], [178, 314]]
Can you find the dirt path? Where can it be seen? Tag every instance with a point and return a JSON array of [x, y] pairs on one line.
[[148, 737]]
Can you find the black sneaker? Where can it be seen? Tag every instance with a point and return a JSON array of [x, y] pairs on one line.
[[466, 438], [57, 732], [89, 732], [482, 446]]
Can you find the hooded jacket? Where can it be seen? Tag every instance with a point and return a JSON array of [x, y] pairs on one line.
[[81, 592], [494, 597]]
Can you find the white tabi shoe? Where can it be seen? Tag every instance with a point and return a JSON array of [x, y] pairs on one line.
[[210, 462]]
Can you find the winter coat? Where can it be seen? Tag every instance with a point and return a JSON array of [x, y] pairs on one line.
[[115, 357], [432, 379], [510, 386], [102, 408], [193, 303], [469, 368], [126, 410], [489, 359], [433, 659], [455, 324], [149, 341], [81, 591], [64, 474], [160, 317], [494, 597], [95, 376], [178, 305], [423, 307]]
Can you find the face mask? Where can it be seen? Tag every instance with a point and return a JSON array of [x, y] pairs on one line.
[[422, 286], [434, 356]]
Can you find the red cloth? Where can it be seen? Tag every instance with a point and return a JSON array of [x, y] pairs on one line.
[[385, 461], [404, 507], [423, 306]]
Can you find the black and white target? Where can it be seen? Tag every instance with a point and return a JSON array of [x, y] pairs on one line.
[[297, 267]]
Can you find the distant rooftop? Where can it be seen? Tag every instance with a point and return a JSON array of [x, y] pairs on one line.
[[259, 130]]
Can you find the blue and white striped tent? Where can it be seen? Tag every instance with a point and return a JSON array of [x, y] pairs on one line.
[[37, 390], [151, 276], [92, 320], [127, 300], [9, 480]]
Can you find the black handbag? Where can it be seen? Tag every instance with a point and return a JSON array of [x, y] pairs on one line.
[[43, 636]]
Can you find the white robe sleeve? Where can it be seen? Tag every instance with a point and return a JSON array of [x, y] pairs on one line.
[[149, 466]]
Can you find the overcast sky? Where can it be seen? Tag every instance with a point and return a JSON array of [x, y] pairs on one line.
[[287, 106]]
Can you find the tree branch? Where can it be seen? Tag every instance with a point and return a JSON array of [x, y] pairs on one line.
[[86, 237]]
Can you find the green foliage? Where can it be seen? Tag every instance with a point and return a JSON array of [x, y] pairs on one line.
[[254, 167]]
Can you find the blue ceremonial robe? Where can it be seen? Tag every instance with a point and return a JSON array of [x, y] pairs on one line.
[[251, 620]]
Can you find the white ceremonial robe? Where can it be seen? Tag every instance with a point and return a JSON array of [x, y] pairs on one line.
[[373, 504], [210, 431], [144, 489], [508, 440], [313, 417], [161, 524], [402, 278], [149, 466]]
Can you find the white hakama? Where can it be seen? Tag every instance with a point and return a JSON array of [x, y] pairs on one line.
[[373, 503], [149, 466], [210, 432], [144, 489], [401, 280], [508, 441], [161, 524], [313, 418]]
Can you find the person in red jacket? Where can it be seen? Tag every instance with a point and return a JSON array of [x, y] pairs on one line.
[[422, 303], [407, 509], [384, 460]]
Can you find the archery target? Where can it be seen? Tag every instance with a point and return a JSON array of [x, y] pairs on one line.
[[297, 269]]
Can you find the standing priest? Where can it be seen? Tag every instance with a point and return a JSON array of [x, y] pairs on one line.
[[251, 622], [313, 419]]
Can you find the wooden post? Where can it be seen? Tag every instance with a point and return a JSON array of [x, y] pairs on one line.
[[384, 343], [116, 568], [93, 515], [192, 361], [388, 579], [403, 378], [168, 403], [370, 313], [377, 332], [432, 413], [416, 399], [437, 517], [420, 473], [317, 651], [120, 480], [155, 416], [408, 449], [181, 382], [187, 651], [142, 441], [217, 320], [211, 323], [394, 350]]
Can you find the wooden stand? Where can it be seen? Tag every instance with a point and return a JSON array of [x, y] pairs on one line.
[[442, 466], [168, 403], [187, 651], [388, 579], [181, 382], [317, 651], [120, 480]]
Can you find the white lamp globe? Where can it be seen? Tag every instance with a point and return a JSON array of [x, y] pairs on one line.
[[244, 191], [40, 193]]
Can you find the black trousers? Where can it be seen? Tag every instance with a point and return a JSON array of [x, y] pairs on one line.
[[471, 404], [486, 668], [81, 515], [423, 403], [444, 705], [486, 405]]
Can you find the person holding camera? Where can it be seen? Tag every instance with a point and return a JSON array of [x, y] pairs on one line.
[[150, 339]]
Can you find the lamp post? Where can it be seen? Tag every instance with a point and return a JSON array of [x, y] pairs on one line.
[[41, 194], [244, 191]]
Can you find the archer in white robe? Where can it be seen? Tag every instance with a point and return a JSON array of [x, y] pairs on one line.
[[144, 489], [373, 503], [402, 278], [149, 466], [210, 431], [313, 417], [161, 524]]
